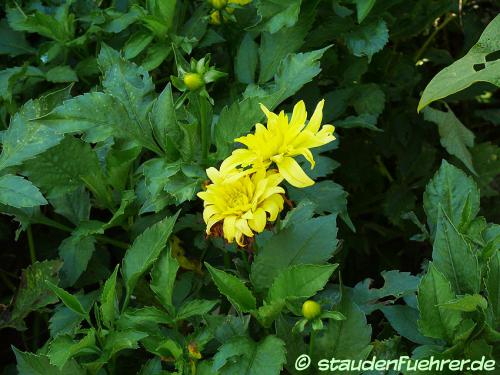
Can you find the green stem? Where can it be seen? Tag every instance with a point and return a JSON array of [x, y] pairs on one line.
[[105, 239], [204, 133], [101, 237], [431, 37], [311, 343], [31, 245]]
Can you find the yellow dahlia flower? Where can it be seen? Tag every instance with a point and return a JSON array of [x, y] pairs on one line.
[[242, 205], [279, 143]]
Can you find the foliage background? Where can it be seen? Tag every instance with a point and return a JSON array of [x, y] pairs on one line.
[[82, 193]]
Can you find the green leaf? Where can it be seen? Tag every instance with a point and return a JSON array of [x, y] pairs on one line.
[[486, 158], [75, 251], [242, 355], [363, 8], [24, 139], [74, 206], [327, 196], [109, 300], [436, 321], [34, 364], [277, 14], [365, 120], [233, 288], [96, 110], [396, 284], [245, 63], [66, 321], [493, 286], [194, 308], [137, 43], [58, 171], [269, 312], [18, 192], [165, 126], [300, 281], [311, 242], [455, 137], [33, 293], [145, 250], [274, 47], [55, 28], [453, 256], [473, 67], [467, 303], [61, 74], [403, 319], [368, 39], [163, 278], [13, 43], [296, 70], [129, 83], [349, 338], [68, 299], [117, 341], [455, 192], [64, 347]]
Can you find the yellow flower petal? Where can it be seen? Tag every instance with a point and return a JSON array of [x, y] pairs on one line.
[[293, 173], [258, 223], [316, 118]]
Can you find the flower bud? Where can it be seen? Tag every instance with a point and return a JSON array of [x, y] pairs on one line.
[[193, 81], [218, 4], [311, 310]]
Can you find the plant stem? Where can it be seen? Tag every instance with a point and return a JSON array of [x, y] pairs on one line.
[[101, 237], [105, 239], [431, 37], [311, 343], [204, 131], [31, 245]]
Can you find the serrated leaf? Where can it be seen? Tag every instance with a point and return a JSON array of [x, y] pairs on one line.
[[163, 278], [471, 68], [38, 364], [145, 250], [13, 43], [75, 251], [277, 14], [454, 136], [436, 321], [363, 8], [24, 139], [195, 307], [300, 281], [233, 288], [368, 39], [403, 319], [328, 197], [246, 58], [61, 169], [109, 302], [466, 303], [18, 192], [311, 242], [64, 347], [349, 338], [242, 355], [493, 286], [33, 293], [68, 299], [455, 192], [453, 256]]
